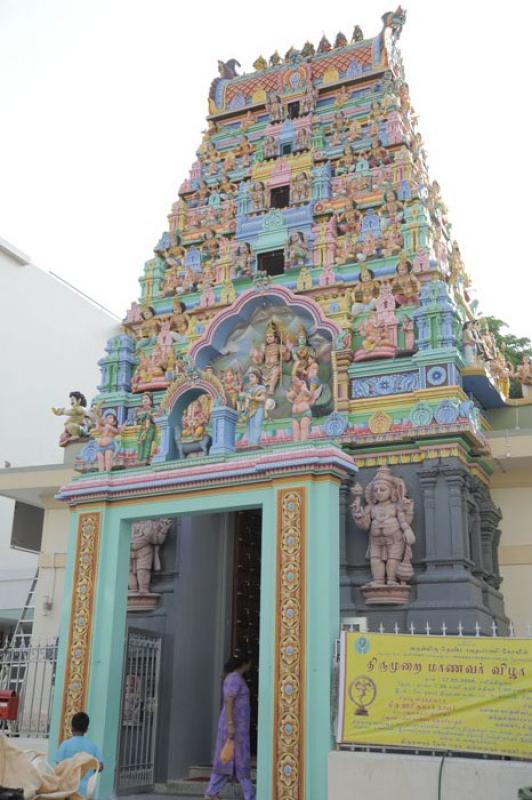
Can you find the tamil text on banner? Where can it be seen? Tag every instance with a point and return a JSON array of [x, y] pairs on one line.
[[437, 692]]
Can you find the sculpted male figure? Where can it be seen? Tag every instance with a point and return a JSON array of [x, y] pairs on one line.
[[147, 536]]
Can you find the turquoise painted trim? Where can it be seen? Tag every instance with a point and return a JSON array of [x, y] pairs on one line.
[[108, 639], [267, 645], [64, 628], [322, 627]]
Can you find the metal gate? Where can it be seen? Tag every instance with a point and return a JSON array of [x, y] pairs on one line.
[[140, 700]]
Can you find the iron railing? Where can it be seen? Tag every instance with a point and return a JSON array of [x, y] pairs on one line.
[[28, 668]]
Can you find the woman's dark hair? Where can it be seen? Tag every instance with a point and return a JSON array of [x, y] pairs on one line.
[[80, 398], [236, 661]]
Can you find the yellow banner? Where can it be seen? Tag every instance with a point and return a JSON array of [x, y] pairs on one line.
[[437, 692]]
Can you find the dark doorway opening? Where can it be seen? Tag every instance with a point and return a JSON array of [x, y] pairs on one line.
[[293, 110], [246, 602], [286, 149], [272, 263], [280, 197]]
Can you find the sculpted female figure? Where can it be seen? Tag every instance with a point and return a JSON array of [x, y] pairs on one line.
[[387, 515], [253, 405], [147, 429]]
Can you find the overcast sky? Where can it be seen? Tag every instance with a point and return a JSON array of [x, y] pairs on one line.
[[102, 104]]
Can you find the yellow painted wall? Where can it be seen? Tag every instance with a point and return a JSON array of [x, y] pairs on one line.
[[52, 563], [515, 554]]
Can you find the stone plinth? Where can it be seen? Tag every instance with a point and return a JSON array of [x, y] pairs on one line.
[[142, 601], [386, 594]]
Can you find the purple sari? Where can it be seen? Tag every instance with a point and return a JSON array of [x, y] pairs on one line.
[[236, 687]]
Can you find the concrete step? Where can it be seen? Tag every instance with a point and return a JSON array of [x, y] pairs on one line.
[[204, 771], [192, 789]]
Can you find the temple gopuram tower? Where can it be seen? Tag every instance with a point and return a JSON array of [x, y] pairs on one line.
[[292, 415]]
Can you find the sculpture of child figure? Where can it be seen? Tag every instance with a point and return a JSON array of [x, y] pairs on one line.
[[79, 419], [387, 515], [105, 432]]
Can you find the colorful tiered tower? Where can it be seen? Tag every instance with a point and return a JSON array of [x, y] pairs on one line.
[[308, 295]]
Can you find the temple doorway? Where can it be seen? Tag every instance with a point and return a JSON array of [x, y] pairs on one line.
[[208, 607], [246, 601]]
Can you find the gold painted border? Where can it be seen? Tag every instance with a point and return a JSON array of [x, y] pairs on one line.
[[75, 688], [289, 686]]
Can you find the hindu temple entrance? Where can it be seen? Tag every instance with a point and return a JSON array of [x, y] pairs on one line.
[[205, 606]]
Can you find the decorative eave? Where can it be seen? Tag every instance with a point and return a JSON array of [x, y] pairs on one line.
[[211, 473]]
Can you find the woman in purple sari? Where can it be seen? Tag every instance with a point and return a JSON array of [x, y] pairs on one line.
[[234, 724]]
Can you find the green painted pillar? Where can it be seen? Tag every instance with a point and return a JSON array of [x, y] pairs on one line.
[[323, 625]]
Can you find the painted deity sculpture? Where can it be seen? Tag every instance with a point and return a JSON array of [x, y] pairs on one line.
[[147, 536], [191, 435], [296, 251], [302, 395], [147, 429], [364, 293], [105, 433], [387, 513], [80, 419], [270, 357], [253, 405], [405, 286]]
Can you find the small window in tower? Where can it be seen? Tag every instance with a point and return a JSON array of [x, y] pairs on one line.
[[286, 149], [293, 110], [272, 263], [280, 197]]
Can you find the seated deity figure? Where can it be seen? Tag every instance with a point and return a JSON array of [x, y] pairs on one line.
[[147, 536], [296, 251], [392, 240], [270, 357], [149, 326], [387, 514], [270, 148], [347, 161], [405, 286], [79, 420], [194, 420], [242, 261], [180, 320], [391, 207], [300, 189], [365, 292]]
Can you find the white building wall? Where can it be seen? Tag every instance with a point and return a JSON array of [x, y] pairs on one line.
[[51, 339]]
